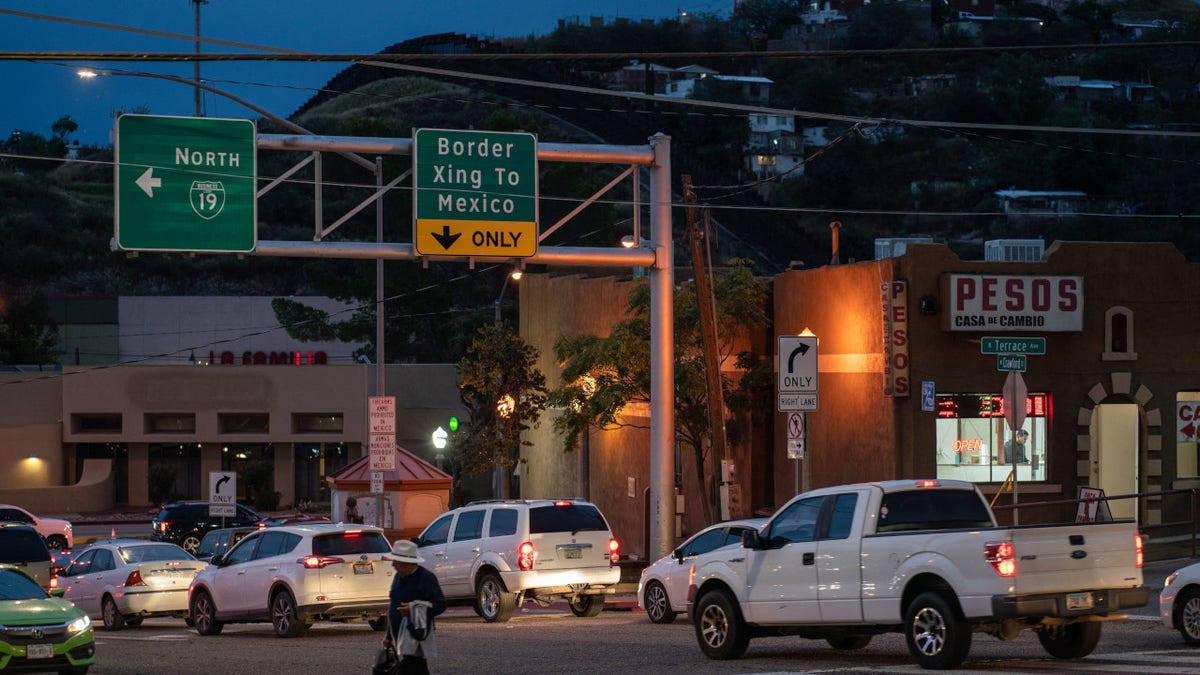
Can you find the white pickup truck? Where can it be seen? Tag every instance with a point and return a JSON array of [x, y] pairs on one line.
[[922, 557]]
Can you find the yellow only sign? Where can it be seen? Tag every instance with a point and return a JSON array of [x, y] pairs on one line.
[[503, 239]]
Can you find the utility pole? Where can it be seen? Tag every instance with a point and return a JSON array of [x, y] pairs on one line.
[[196, 64], [708, 339]]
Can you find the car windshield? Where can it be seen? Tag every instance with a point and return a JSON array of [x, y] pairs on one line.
[[17, 586], [565, 518], [19, 545], [133, 555], [350, 542]]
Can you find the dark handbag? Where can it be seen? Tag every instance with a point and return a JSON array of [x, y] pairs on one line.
[[386, 662]]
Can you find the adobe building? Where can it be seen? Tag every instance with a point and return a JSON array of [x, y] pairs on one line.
[[906, 390]]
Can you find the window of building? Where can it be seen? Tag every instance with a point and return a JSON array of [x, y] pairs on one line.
[[96, 423], [975, 444], [1118, 335], [1187, 451], [243, 423], [316, 423], [170, 423]]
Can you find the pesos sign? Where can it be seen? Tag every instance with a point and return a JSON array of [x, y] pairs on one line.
[[475, 193], [185, 184]]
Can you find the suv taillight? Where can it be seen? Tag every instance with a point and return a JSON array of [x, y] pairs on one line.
[[1139, 555], [525, 556], [163, 525], [1002, 556], [316, 562], [614, 552]]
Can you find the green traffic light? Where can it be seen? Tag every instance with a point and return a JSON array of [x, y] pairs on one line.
[[453, 424]]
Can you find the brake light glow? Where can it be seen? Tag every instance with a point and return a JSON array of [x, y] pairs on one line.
[[1002, 556], [54, 582], [614, 552], [928, 483], [351, 533], [134, 579], [316, 562], [562, 502], [1139, 556], [525, 556]]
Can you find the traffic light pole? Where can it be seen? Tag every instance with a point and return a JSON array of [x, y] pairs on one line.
[[658, 257]]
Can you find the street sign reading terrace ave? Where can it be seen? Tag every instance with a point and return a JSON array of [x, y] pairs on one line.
[[1013, 345], [475, 193], [185, 184]]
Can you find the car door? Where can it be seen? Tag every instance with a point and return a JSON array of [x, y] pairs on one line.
[[782, 575], [432, 547], [461, 552], [263, 569], [677, 575], [80, 586], [839, 574], [104, 574], [228, 582]]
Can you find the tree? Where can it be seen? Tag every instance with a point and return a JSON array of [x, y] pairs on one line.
[[28, 335], [619, 365], [504, 394]]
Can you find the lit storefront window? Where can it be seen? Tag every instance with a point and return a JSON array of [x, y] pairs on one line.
[[974, 443]]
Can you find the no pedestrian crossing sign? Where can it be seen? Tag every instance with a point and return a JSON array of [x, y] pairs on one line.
[[185, 184], [475, 193]]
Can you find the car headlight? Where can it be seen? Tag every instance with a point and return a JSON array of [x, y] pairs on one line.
[[79, 625], [1171, 579]]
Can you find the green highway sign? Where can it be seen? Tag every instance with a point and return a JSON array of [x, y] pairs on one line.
[[1013, 345], [1010, 362], [475, 193], [185, 184]]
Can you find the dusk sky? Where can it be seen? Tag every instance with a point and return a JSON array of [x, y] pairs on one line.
[[37, 94]]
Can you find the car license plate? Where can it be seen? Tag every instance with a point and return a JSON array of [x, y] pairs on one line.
[[572, 552], [364, 567], [39, 651], [1079, 601]]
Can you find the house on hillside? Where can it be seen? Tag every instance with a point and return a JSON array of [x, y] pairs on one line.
[[774, 147], [1072, 88]]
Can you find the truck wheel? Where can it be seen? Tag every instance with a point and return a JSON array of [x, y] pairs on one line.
[[937, 638], [1071, 642], [587, 605], [722, 633], [848, 643], [1187, 616], [496, 604]]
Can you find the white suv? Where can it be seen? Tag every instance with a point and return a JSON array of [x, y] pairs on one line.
[[497, 554], [294, 575]]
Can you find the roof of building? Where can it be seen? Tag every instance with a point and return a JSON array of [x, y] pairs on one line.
[[410, 469]]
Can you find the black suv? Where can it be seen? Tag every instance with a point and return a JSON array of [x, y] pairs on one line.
[[22, 547], [185, 523]]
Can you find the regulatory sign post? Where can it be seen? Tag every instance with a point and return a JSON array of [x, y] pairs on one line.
[[797, 382], [475, 193], [185, 184], [222, 494], [381, 423]]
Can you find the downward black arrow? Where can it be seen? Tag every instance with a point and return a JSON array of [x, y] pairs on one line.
[[222, 479], [445, 238], [801, 350]]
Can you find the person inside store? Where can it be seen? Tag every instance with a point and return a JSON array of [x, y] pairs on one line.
[[1015, 447]]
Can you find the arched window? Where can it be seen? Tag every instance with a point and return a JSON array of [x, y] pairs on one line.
[[1118, 335]]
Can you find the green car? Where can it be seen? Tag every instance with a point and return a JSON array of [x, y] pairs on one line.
[[40, 632]]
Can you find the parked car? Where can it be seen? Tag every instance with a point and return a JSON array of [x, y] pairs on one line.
[[296, 519], [41, 632], [662, 589], [293, 576], [496, 554], [185, 523], [219, 541], [123, 581], [22, 547], [1179, 603], [57, 532]]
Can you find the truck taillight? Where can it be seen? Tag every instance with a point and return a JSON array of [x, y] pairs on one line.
[[134, 579], [614, 552], [525, 556], [1139, 556], [1002, 556]]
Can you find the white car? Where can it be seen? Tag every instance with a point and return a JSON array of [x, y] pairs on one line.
[[1179, 603], [123, 581], [294, 575], [662, 590], [56, 531]]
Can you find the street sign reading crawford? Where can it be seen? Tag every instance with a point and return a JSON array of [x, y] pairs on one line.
[[185, 184], [475, 193]]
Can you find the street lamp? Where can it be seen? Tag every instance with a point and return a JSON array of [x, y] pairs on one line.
[[515, 275]]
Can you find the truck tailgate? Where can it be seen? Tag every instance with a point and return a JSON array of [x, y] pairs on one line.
[[1054, 558]]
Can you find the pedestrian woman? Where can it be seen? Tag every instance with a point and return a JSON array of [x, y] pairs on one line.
[[352, 514], [415, 599]]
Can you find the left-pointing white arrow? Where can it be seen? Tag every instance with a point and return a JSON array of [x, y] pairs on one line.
[[148, 182]]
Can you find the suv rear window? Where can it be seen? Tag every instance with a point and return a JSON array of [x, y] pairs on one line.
[[932, 510], [568, 518], [22, 545], [347, 543]]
